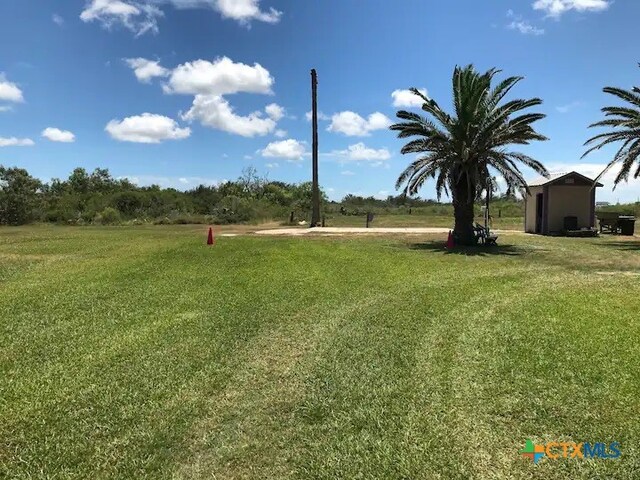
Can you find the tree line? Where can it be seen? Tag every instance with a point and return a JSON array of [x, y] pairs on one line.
[[99, 198]]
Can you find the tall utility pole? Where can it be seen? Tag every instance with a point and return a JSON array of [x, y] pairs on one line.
[[315, 196]]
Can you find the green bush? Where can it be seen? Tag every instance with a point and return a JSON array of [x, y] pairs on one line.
[[18, 196], [108, 216], [232, 209]]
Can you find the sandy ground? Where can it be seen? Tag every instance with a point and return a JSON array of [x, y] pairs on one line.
[[365, 231]]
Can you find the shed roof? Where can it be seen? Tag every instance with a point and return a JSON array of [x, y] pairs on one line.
[[559, 177]]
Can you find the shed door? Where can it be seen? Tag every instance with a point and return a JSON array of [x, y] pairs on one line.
[[539, 210]]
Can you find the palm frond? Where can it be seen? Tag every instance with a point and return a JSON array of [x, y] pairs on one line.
[[626, 95], [625, 121]]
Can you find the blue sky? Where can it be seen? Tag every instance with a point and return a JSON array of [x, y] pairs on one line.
[[182, 92]]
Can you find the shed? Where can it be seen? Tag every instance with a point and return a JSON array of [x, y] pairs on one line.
[[561, 196]]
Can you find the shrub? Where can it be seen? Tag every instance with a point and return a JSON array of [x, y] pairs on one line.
[[108, 216], [128, 203]]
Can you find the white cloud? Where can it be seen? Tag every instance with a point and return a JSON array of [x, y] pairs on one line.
[[408, 99], [353, 125], [216, 112], [9, 91], [5, 108], [248, 157], [145, 70], [138, 16], [221, 77], [275, 112], [522, 25], [57, 135], [555, 8], [347, 173], [57, 19], [568, 107], [146, 128], [141, 16], [272, 165], [321, 116], [209, 82], [361, 153], [525, 28], [244, 11], [281, 133], [16, 142], [291, 150]]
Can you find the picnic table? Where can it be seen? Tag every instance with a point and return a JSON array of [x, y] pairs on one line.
[[615, 222]]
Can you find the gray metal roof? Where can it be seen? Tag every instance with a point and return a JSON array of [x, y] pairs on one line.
[[539, 182]]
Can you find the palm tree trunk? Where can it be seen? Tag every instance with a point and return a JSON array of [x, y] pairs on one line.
[[463, 203]]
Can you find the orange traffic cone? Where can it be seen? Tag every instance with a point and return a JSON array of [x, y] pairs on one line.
[[450, 241], [210, 239]]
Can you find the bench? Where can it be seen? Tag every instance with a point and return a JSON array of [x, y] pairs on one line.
[[484, 235]]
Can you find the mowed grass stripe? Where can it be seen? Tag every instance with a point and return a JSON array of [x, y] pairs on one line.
[[516, 378], [250, 425], [572, 361], [365, 388]]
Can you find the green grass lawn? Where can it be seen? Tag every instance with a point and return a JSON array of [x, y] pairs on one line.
[[142, 353]]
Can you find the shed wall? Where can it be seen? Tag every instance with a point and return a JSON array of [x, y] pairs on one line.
[[569, 200], [530, 210]]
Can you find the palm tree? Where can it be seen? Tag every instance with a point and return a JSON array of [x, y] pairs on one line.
[[462, 150], [626, 123]]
